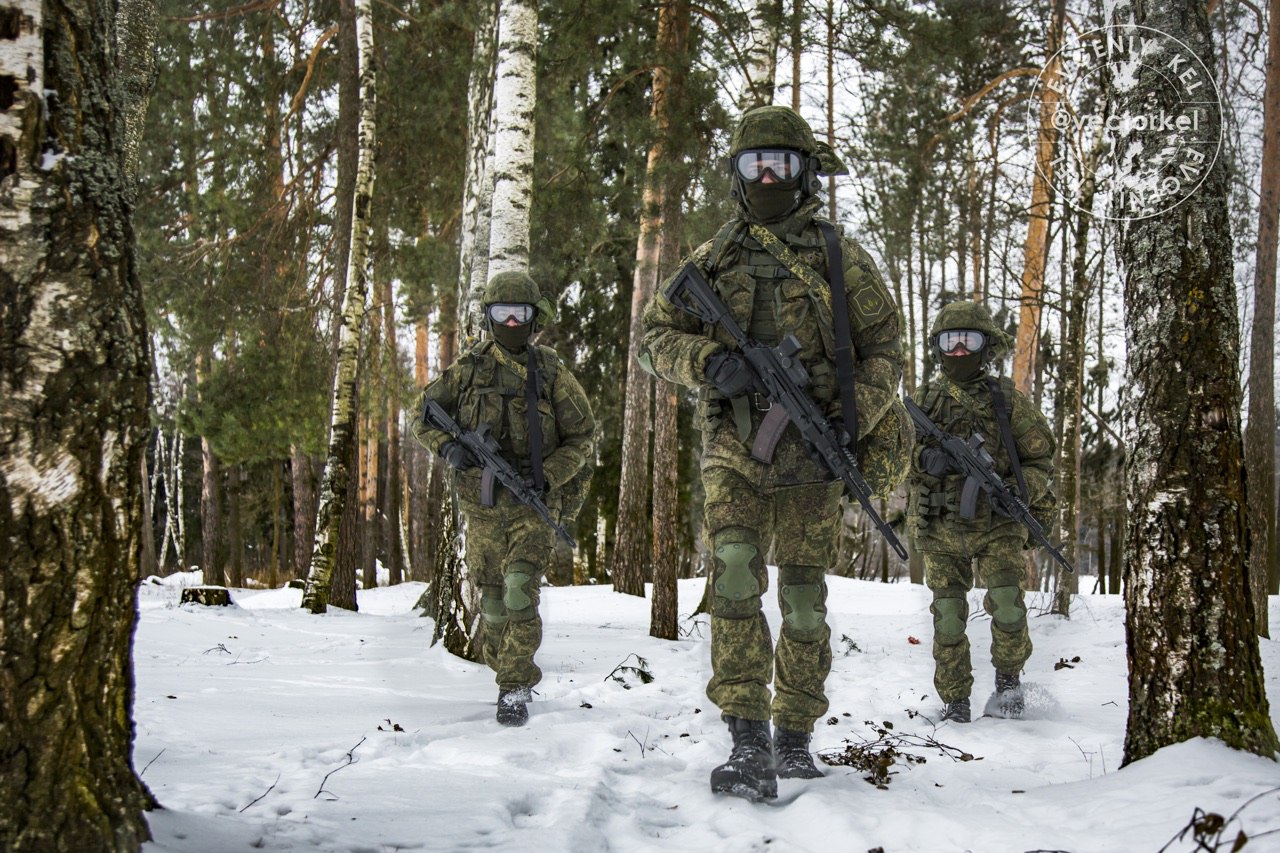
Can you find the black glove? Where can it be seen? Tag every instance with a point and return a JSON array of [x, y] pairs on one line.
[[458, 456], [996, 507], [935, 462], [730, 373]]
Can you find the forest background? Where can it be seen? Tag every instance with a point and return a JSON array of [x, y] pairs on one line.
[[247, 165]]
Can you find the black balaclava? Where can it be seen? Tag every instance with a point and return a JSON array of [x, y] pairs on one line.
[[962, 368], [512, 338], [771, 202]]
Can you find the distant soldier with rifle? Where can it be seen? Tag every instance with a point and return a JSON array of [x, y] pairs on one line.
[[787, 332], [984, 459], [514, 424]]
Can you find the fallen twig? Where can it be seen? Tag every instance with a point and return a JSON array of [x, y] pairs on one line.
[[268, 791], [351, 759]]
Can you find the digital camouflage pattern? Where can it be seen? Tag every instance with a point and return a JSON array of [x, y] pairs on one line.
[[514, 287], [788, 510], [508, 545], [772, 127], [951, 544]]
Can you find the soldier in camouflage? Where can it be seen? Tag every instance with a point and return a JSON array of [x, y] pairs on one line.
[[789, 508], [962, 399], [508, 544]]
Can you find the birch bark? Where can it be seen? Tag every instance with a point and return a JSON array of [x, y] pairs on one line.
[[1194, 666], [342, 426], [75, 366]]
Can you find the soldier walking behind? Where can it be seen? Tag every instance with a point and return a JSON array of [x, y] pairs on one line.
[[539, 416], [963, 539], [770, 266]]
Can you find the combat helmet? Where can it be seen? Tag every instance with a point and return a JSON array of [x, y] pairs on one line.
[[965, 314], [515, 288], [778, 127]]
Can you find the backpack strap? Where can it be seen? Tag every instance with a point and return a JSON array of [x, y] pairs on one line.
[[1006, 434]]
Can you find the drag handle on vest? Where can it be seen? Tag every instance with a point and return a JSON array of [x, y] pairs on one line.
[[783, 377], [971, 459], [484, 447]]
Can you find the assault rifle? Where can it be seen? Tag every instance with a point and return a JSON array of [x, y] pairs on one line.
[[972, 460], [484, 447], [783, 377]]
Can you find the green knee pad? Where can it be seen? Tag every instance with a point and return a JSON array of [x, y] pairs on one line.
[[948, 621], [492, 609], [737, 581], [516, 595], [801, 589], [1008, 612]]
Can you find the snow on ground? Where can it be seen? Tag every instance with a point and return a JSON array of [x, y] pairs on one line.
[[260, 726]]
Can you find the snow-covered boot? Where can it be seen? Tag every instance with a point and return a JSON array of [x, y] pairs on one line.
[[1009, 695], [513, 706], [750, 770], [957, 711], [791, 750]]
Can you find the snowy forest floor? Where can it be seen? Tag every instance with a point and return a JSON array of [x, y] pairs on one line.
[[260, 726]]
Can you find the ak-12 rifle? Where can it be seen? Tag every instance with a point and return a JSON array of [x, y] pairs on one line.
[[484, 447], [779, 371], [972, 460]]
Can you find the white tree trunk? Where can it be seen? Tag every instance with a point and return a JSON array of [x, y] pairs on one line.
[[342, 427], [477, 192], [762, 54], [513, 107]]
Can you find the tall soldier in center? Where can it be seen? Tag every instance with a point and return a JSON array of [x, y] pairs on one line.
[[771, 267]]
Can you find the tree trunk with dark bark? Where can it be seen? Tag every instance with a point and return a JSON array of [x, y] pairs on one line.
[[1259, 437], [75, 368], [1194, 666]]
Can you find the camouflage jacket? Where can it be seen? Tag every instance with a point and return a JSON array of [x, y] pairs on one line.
[[964, 409], [487, 385], [676, 346]]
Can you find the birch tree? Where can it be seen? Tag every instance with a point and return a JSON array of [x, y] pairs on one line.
[[514, 99], [75, 366], [334, 486], [1194, 666], [477, 193], [762, 54], [1259, 438]]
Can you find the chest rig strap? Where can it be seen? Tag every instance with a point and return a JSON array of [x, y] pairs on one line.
[[532, 391], [839, 307]]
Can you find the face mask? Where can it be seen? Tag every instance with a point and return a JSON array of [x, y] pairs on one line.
[[771, 202], [962, 368], [512, 338]]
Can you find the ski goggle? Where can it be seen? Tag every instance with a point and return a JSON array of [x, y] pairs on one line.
[[751, 164], [971, 339], [501, 312]]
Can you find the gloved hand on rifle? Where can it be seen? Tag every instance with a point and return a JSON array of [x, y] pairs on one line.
[[935, 462], [457, 455], [730, 373]]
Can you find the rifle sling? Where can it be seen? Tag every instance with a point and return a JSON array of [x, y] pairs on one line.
[[1006, 435], [531, 389], [843, 334]]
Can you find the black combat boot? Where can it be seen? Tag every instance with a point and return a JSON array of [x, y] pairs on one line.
[[1009, 695], [791, 750], [513, 706], [957, 711], [750, 770]]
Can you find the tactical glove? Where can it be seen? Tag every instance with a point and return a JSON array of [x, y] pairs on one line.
[[458, 456], [730, 373], [996, 508], [935, 462]]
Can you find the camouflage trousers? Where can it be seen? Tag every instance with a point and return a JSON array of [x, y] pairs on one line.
[[800, 522], [507, 550], [950, 575]]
